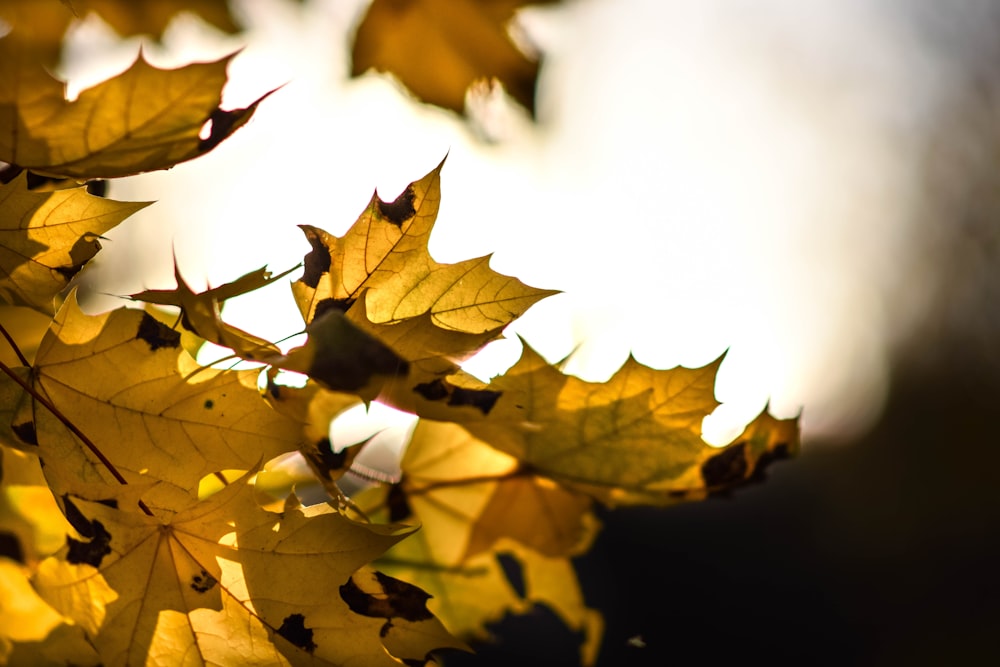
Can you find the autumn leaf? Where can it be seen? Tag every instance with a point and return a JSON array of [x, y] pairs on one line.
[[225, 582], [47, 237], [143, 119], [123, 380], [46, 22], [202, 311], [384, 256], [476, 506], [634, 439], [438, 48]]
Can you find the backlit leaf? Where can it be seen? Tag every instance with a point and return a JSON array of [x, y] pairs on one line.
[[145, 118], [123, 380], [438, 48], [633, 439], [384, 255], [226, 582], [47, 237]]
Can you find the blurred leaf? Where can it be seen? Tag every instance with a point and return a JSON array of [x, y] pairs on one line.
[[438, 48], [143, 119]]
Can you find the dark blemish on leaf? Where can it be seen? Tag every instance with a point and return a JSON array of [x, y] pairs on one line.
[[222, 123], [727, 467], [209, 404], [514, 573], [399, 508], [398, 599], [26, 433], [438, 390], [203, 582], [432, 391], [10, 547], [92, 552], [294, 629], [157, 334], [326, 305], [400, 209], [317, 261], [484, 399], [98, 188]]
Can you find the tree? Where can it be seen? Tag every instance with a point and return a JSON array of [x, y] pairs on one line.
[[142, 519]]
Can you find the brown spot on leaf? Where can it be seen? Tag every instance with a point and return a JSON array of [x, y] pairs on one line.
[[400, 209], [203, 582], [726, 468], [317, 261], [93, 551], [209, 404], [439, 389], [397, 600], [223, 123], [25, 433], [157, 334], [294, 629]]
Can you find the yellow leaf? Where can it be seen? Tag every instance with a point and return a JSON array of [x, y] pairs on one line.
[[226, 582], [384, 256], [44, 23], [123, 380], [47, 237], [468, 496], [202, 311], [633, 439], [145, 118], [439, 47]]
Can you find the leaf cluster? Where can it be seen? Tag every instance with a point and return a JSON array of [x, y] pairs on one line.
[[136, 521]]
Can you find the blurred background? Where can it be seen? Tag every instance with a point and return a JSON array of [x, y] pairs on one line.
[[810, 186]]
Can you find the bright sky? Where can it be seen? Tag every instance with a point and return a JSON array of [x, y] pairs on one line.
[[706, 176]]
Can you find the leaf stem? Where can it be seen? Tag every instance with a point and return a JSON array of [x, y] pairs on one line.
[[13, 345], [73, 428]]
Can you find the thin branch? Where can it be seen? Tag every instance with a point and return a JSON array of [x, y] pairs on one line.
[[13, 345], [73, 428]]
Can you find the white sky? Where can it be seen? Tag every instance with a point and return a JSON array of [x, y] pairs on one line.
[[706, 175]]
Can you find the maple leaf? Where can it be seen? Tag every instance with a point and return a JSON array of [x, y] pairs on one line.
[[47, 237], [202, 311], [438, 48], [46, 22], [474, 503], [224, 581], [634, 439], [384, 256], [123, 381], [145, 118]]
